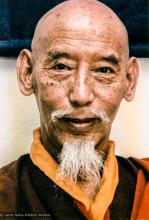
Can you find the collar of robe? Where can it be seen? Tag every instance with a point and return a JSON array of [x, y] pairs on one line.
[[44, 161]]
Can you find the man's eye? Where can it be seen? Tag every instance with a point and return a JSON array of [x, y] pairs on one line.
[[60, 67], [104, 70]]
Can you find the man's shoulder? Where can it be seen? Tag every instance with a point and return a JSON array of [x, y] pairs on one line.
[[11, 170], [142, 164], [9, 176], [127, 164], [133, 164]]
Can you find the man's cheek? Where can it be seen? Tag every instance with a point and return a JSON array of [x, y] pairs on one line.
[[50, 91], [110, 100], [113, 106], [113, 92], [48, 103], [44, 82]]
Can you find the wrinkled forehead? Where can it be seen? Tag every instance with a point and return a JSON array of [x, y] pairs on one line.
[[88, 24]]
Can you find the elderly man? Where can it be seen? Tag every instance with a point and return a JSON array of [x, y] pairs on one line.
[[79, 70]]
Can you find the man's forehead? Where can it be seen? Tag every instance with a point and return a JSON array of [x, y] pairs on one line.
[[79, 22], [86, 35], [82, 42]]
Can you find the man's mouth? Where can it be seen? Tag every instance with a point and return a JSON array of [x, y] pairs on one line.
[[80, 123]]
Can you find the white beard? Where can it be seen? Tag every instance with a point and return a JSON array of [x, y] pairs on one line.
[[80, 161]]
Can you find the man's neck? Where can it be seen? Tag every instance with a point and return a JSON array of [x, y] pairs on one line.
[[50, 146], [90, 189]]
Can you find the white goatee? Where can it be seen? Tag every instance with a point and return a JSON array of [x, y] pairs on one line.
[[80, 161]]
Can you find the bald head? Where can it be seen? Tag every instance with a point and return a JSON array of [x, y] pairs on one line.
[[89, 16], [79, 61]]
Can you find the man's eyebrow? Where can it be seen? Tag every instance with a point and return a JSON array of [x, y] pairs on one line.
[[58, 55], [111, 59]]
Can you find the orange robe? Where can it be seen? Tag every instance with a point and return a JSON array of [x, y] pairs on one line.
[[140, 209], [25, 187]]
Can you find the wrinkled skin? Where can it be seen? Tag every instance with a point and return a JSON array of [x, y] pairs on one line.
[[79, 63]]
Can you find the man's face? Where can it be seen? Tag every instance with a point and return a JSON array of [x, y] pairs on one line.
[[80, 71]]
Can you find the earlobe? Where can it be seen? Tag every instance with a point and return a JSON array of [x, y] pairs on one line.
[[24, 72], [131, 78]]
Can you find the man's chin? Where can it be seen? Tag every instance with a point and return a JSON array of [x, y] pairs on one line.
[[64, 134], [99, 140]]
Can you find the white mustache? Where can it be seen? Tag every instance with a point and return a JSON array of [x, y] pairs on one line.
[[101, 115], [64, 112], [60, 113]]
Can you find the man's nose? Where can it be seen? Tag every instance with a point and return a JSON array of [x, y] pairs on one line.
[[81, 93]]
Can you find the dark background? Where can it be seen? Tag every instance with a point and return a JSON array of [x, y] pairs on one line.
[[18, 19]]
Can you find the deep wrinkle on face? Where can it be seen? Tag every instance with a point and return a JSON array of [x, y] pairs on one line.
[[97, 71], [60, 65], [80, 64]]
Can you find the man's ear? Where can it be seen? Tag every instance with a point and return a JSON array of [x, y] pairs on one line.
[[131, 78], [24, 72]]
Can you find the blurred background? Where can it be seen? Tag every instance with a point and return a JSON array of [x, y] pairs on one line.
[[19, 115]]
